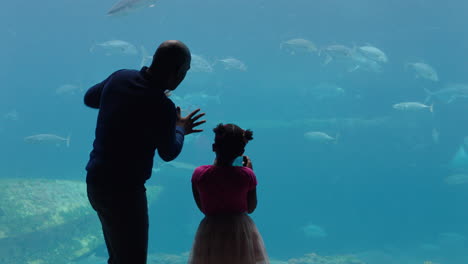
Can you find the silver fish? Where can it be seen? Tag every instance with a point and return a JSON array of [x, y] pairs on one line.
[[192, 101], [324, 90], [177, 165], [314, 231], [13, 115], [116, 46], [298, 45], [318, 136], [47, 138], [455, 179], [335, 52], [200, 64], [351, 57], [361, 62], [373, 53], [412, 106], [423, 70], [231, 63], [452, 238], [126, 6], [448, 94], [435, 135], [68, 89]]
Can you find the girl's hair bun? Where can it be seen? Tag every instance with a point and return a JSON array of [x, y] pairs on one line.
[[248, 134]]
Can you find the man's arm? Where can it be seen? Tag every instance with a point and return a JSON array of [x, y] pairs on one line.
[[172, 137], [174, 128], [93, 95]]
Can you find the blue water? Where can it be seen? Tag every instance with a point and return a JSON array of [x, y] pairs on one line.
[[378, 191]]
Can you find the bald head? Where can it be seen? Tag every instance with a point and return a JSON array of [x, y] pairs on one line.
[[170, 56]]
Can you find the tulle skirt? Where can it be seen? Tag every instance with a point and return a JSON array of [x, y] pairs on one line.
[[228, 239]]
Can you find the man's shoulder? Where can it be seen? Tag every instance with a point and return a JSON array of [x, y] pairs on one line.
[[125, 72], [166, 103], [128, 78]]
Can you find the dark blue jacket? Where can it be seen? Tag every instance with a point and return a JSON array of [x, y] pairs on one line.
[[135, 119]]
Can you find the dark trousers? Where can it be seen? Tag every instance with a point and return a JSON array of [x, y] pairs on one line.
[[124, 219]]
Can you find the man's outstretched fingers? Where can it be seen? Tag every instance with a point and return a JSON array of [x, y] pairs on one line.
[[198, 123], [198, 116], [193, 113]]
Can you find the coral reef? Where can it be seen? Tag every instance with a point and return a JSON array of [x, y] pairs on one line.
[[48, 221], [313, 258], [168, 258]]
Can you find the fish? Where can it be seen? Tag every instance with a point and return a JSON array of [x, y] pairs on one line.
[[298, 45], [324, 90], [339, 51], [178, 165], [47, 138], [200, 64], [202, 98], [452, 238], [145, 57], [231, 63], [192, 101], [423, 70], [435, 136], [351, 57], [455, 179], [448, 94], [13, 115], [314, 231], [126, 6], [116, 46], [429, 247], [318, 136], [359, 61], [335, 52], [68, 89], [373, 53], [413, 106], [459, 161]]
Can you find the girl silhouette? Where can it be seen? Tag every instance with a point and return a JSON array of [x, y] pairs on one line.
[[226, 194]]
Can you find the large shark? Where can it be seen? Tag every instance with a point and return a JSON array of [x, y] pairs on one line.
[[126, 6]]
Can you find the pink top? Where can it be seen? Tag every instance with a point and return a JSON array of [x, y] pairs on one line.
[[223, 189]]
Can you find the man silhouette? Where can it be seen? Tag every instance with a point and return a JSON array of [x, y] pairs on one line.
[[135, 119]]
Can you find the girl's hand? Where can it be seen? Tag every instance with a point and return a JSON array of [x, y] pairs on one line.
[[247, 162]]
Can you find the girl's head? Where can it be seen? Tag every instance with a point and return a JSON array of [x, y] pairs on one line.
[[230, 141]]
